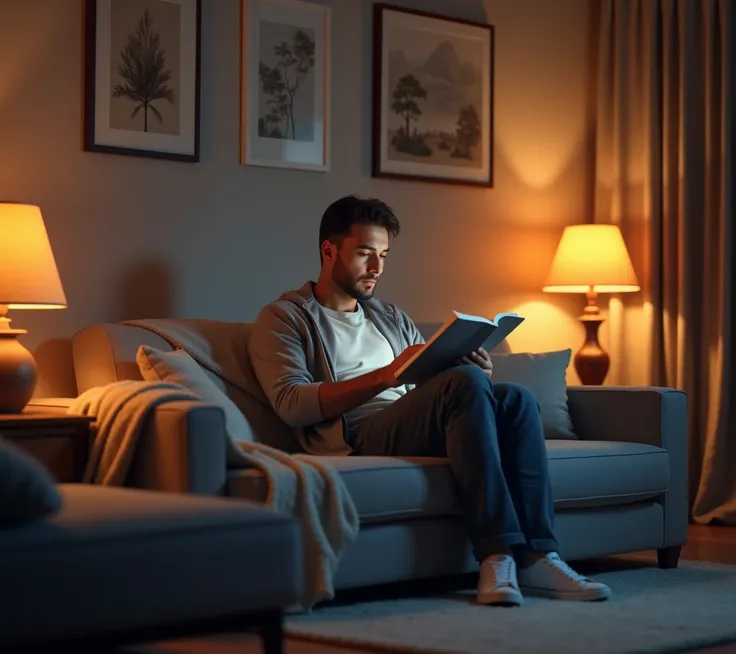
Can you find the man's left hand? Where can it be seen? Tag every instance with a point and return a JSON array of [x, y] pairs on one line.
[[480, 358]]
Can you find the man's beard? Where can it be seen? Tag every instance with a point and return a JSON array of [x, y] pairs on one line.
[[351, 287]]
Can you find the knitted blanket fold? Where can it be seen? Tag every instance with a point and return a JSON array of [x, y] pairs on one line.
[[299, 485]]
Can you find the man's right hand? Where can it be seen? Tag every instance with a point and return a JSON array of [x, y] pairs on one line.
[[389, 371]]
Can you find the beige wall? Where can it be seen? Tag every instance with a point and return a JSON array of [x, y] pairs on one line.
[[136, 237]]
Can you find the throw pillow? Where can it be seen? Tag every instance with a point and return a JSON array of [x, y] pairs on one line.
[[544, 375], [178, 367], [27, 490]]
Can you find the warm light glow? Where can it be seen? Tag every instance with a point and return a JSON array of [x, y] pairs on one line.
[[591, 257], [548, 327], [29, 278]]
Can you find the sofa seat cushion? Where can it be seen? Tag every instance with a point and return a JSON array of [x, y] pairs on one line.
[[383, 488], [115, 558], [583, 474]]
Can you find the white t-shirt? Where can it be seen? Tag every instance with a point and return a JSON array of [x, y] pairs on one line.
[[361, 348]]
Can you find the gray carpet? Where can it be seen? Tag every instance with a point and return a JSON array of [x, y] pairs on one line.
[[652, 610]]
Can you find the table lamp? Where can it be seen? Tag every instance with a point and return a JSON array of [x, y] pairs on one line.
[[28, 280], [591, 259]]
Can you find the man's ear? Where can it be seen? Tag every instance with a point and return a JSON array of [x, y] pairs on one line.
[[328, 249]]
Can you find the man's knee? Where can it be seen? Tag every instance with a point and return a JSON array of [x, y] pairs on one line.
[[465, 378], [517, 395]]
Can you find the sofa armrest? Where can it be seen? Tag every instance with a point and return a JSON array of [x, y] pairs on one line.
[[182, 450], [649, 415]]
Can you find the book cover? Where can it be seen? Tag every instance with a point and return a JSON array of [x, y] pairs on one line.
[[459, 336]]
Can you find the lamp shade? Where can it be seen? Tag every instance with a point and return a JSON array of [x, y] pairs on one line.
[[29, 278], [591, 258]]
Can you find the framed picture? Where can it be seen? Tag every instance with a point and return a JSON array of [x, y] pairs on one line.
[[142, 77], [432, 97], [285, 84]]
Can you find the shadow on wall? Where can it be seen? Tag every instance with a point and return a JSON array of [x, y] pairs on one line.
[[146, 290], [55, 369]]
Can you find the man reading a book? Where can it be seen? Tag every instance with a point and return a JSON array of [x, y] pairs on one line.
[[326, 356]]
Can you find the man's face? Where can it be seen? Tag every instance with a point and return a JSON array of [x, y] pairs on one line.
[[358, 263]]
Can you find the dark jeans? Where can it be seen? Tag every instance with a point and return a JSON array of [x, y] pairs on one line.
[[492, 435]]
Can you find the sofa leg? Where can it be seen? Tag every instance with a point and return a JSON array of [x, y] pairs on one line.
[[272, 635], [668, 557]]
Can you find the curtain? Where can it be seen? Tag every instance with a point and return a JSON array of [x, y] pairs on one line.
[[665, 173]]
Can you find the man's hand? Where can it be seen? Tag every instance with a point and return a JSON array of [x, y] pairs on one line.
[[389, 372], [480, 358]]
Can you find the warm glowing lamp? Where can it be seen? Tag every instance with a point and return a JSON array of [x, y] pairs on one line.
[[28, 280], [591, 259]]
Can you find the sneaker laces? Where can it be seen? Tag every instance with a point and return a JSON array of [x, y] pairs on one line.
[[503, 569], [554, 561]]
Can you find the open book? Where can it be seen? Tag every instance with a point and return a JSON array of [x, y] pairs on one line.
[[458, 337]]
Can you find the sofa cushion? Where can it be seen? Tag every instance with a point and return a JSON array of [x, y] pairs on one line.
[[178, 367], [583, 474], [27, 490], [545, 375]]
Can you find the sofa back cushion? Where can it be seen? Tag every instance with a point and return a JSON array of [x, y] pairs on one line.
[[178, 367], [545, 375], [106, 353]]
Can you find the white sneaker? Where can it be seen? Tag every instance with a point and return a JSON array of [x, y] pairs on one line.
[[551, 577], [497, 582]]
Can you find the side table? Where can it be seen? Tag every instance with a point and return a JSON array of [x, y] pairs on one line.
[[58, 440]]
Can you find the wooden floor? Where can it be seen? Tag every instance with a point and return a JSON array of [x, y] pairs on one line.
[[714, 544]]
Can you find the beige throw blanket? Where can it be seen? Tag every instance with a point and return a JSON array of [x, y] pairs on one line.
[[299, 485]]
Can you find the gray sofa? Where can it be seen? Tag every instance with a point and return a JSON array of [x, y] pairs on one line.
[[619, 487]]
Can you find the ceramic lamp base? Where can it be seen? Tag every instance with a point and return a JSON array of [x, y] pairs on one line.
[[592, 361], [18, 372]]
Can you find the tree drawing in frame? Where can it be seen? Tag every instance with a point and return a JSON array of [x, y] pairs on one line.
[[287, 85], [432, 97], [142, 67], [145, 66], [142, 78]]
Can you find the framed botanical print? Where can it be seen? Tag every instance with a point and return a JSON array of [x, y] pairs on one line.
[[285, 84], [142, 77], [432, 97]]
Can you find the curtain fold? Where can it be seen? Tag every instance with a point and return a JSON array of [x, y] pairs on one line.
[[665, 174]]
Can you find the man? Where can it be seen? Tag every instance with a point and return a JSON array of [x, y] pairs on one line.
[[325, 356]]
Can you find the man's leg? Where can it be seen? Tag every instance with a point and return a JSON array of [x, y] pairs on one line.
[[493, 438], [452, 415]]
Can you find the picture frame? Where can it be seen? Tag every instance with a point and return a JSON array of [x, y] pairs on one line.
[[286, 61], [124, 112], [432, 97]]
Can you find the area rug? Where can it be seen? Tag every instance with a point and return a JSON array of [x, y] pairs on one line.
[[652, 610]]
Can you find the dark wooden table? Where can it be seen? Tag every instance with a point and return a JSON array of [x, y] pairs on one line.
[[58, 440]]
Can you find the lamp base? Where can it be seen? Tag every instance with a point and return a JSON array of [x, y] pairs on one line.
[[18, 373], [592, 361]]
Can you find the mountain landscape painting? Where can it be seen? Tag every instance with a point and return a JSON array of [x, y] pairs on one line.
[[436, 100], [435, 97]]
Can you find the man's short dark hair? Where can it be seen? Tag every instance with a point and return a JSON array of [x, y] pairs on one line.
[[350, 210]]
